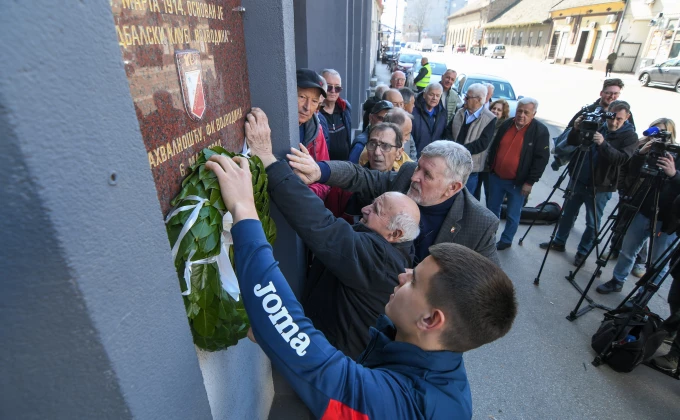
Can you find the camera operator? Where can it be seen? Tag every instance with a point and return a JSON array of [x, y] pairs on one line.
[[626, 181], [639, 229], [611, 90], [612, 145]]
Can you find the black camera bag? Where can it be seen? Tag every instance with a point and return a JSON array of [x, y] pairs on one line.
[[625, 356]]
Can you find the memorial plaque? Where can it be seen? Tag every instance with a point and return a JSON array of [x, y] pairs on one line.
[[185, 62]]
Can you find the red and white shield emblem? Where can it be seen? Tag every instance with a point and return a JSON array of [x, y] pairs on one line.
[[191, 81]]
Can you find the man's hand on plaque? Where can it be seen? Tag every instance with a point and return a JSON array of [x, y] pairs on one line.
[[236, 185], [303, 165], [259, 136]]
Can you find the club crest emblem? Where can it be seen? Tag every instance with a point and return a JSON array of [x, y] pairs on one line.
[[191, 82]]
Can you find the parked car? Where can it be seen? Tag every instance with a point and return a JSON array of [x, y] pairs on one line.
[[405, 61], [438, 69], [502, 88], [460, 48], [389, 53], [664, 74], [495, 51], [440, 48]]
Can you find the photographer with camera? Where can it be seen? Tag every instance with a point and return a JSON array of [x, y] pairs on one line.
[[656, 158], [605, 151]]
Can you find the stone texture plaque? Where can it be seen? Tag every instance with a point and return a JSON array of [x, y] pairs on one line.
[[186, 65]]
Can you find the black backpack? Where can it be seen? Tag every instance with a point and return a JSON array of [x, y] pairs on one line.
[[547, 216], [623, 355]]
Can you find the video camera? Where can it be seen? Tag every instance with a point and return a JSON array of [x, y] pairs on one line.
[[591, 123], [661, 146]]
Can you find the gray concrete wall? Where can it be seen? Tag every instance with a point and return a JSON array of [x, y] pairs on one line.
[[93, 324]]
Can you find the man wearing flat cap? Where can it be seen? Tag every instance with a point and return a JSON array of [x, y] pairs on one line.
[[309, 93], [375, 117]]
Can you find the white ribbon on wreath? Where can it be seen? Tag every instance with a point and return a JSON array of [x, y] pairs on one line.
[[228, 278]]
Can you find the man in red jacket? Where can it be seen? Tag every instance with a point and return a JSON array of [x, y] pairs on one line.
[[310, 90]]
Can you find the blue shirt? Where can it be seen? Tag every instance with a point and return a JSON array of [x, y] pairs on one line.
[[469, 118]]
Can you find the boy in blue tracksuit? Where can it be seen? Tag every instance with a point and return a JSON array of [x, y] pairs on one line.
[[454, 301]]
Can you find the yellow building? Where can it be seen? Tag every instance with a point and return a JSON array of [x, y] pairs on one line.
[[584, 31]]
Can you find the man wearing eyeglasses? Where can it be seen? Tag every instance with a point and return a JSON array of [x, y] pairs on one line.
[[398, 80], [473, 127], [376, 117], [611, 90], [338, 115]]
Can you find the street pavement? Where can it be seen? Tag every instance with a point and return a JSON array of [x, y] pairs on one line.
[[542, 369]]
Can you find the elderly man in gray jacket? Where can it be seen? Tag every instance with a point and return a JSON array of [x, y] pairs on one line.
[[448, 211], [473, 127]]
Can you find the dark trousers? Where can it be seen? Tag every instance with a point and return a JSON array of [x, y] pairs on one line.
[[608, 69], [482, 181]]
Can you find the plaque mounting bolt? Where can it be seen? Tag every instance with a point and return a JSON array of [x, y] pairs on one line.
[[113, 178], [239, 9]]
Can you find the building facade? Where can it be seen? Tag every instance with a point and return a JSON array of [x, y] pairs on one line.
[[654, 25], [525, 29], [584, 31], [466, 25]]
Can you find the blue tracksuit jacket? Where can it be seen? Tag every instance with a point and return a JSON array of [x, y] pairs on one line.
[[392, 380]]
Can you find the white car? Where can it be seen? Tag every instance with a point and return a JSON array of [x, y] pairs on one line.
[[495, 51], [502, 88]]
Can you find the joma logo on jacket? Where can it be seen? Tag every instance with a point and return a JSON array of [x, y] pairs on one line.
[[281, 319]]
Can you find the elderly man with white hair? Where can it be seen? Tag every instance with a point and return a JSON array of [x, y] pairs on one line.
[[473, 127], [518, 156], [448, 211], [429, 117]]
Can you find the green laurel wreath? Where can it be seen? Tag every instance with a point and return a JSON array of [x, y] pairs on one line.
[[217, 321]]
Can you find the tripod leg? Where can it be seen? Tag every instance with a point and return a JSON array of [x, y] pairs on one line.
[[557, 185]]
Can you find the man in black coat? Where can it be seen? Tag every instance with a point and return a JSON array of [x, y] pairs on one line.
[[612, 145], [518, 156], [355, 268], [448, 211]]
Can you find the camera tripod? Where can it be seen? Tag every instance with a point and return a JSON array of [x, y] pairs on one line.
[[617, 224], [636, 307], [583, 150]]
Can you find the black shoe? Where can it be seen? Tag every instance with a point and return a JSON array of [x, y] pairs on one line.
[[612, 286], [579, 259], [554, 247], [503, 245]]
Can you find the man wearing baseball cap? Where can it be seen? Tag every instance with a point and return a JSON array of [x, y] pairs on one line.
[[375, 117], [309, 92]]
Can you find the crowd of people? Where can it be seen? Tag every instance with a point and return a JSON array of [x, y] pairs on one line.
[[404, 275]]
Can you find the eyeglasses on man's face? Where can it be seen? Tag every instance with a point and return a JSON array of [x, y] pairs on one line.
[[467, 98], [336, 89], [374, 144]]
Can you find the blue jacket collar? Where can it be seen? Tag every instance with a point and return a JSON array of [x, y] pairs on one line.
[[383, 351]]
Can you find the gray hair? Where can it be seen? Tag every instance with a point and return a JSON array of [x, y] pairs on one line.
[[380, 90], [527, 100], [332, 72], [458, 159], [408, 225], [433, 86], [397, 116], [407, 94], [477, 90], [450, 71]]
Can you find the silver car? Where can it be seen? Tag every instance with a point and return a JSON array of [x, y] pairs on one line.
[[664, 74], [502, 88]]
